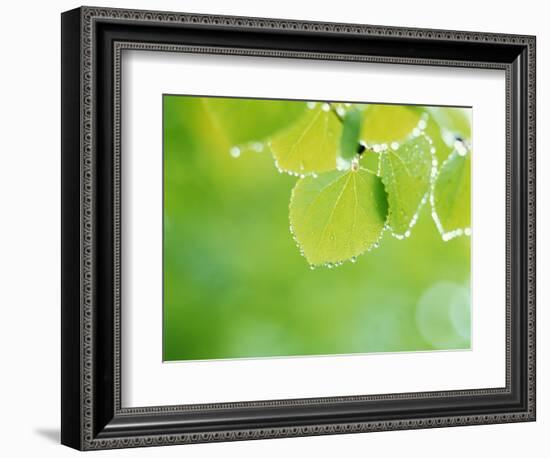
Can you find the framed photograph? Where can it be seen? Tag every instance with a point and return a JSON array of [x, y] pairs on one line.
[[276, 228]]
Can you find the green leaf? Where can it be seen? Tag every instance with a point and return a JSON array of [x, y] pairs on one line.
[[388, 123], [433, 130], [350, 133], [338, 215], [451, 195], [457, 121], [242, 121], [310, 144], [406, 173]]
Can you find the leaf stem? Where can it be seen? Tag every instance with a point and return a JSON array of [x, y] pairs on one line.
[[340, 118]]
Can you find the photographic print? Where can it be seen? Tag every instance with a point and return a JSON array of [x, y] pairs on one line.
[[303, 228]]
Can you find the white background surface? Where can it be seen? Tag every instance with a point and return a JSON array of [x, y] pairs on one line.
[[29, 242], [147, 76]]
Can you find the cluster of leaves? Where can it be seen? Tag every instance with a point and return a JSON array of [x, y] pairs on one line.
[[362, 168]]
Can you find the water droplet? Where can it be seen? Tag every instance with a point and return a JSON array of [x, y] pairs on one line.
[[329, 265], [416, 132], [342, 164], [448, 137], [235, 151], [467, 231], [353, 259], [312, 267], [422, 124], [311, 105], [395, 146], [325, 107], [341, 111], [460, 148], [258, 147]]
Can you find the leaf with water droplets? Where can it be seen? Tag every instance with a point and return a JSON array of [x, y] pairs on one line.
[[388, 123], [350, 134], [310, 144], [242, 121], [406, 172], [338, 215], [433, 130], [451, 194], [455, 120]]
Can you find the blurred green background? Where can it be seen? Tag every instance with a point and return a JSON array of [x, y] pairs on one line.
[[235, 284]]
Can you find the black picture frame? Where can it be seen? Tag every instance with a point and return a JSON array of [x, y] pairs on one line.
[[92, 42]]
